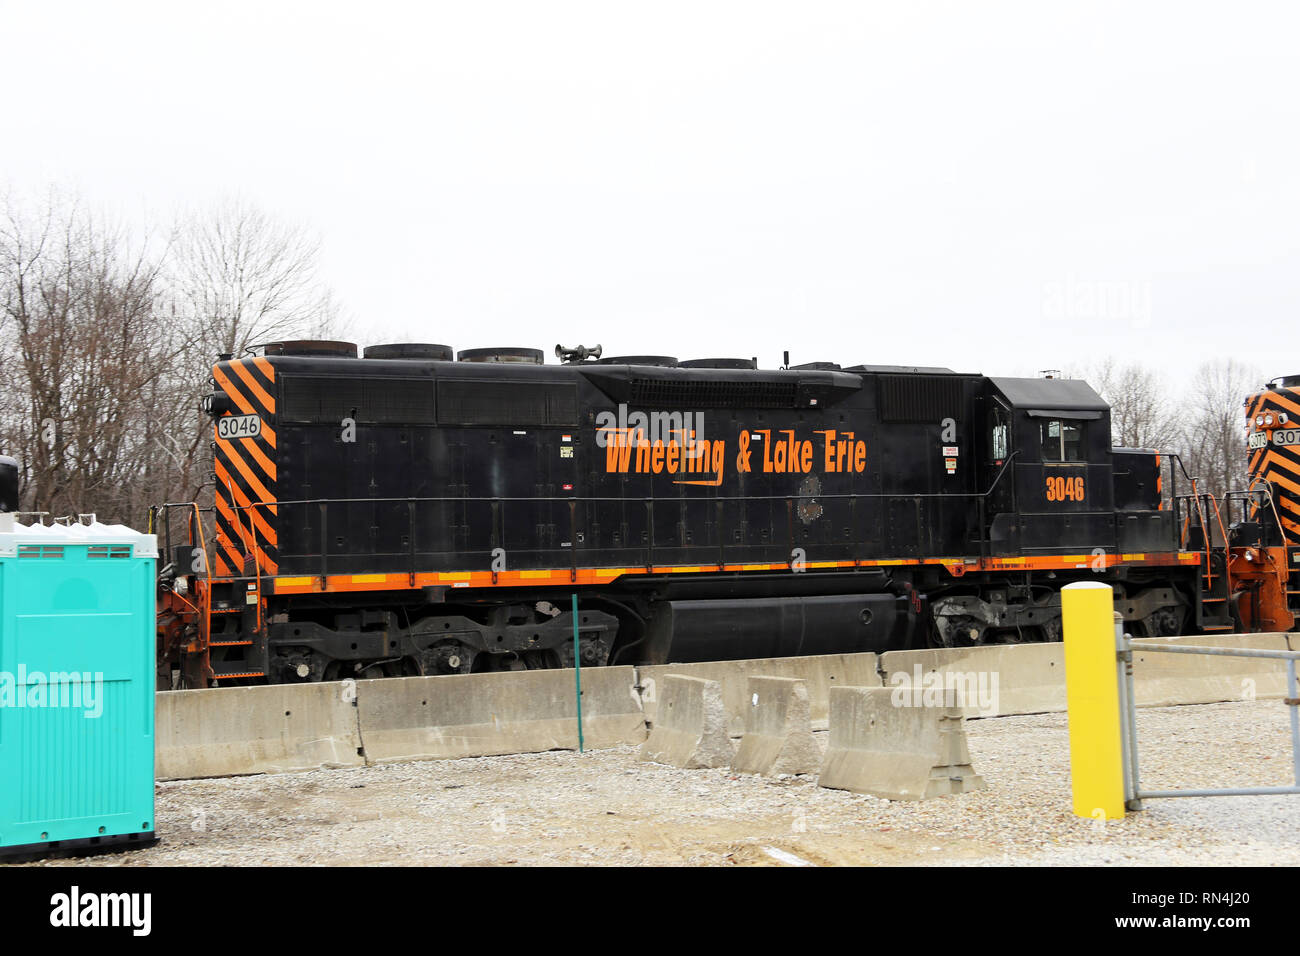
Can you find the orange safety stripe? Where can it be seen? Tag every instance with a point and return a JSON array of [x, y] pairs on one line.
[[268, 466], [267, 368], [236, 396], [250, 444], [268, 402], [231, 521], [1281, 472], [245, 505], [242, 403], [255, 486], [306, 584], [1290, 404]]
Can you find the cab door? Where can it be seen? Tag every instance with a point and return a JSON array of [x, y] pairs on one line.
[[998, 478], [1064, 482]]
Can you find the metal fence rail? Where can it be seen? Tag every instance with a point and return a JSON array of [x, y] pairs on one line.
[[1133, 792]]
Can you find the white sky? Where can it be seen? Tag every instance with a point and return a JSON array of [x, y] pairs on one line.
[[989, 186]]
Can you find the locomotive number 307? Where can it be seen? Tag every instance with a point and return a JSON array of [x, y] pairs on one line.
[[1064, 489]]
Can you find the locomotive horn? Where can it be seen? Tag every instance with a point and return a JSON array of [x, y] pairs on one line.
[[579, 353]]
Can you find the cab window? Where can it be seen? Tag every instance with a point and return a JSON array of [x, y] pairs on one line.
[[1062, 439], [999, 436]]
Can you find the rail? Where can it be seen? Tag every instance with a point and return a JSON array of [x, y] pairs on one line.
[[944, 523], [1133, 792], [1101, 704]]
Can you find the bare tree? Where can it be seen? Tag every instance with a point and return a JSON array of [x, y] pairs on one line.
[[107, 342], [82, 349], [1141, 413], [247, 279], [240, 279], [1213, 437]]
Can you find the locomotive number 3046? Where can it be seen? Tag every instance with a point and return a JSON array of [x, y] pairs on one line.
[[239, 426], [1064, 489]]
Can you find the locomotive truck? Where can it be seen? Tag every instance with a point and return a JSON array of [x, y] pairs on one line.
[[408, 511]]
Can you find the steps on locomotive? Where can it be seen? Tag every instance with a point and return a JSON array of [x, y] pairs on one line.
[[231, 648], [1214, 608]]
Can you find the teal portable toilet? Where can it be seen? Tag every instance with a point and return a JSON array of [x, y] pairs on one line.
[[76, 687]]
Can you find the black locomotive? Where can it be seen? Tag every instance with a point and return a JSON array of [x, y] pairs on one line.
[[411, 512]]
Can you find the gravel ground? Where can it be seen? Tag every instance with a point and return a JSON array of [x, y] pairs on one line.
[[606, 807]]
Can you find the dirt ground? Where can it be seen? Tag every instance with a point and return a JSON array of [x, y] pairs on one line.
[[609, 808]]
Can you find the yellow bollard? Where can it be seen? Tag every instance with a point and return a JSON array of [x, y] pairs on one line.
[[1092, 699]]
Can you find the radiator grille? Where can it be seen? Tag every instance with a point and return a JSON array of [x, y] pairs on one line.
[[919, 399], [374, 402], [658, 393], [506, 403]]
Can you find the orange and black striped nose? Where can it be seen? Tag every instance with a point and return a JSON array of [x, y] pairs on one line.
[[1273, 417], [245, 457]]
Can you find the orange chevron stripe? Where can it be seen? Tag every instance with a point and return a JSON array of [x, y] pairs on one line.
[[224, 508], [232, 521], [1280, 474], [266, 564], [1288, 522], [254, 485], [268, 466], [1284, 463], [242, 501], [1285, 400], [242, 403], [220, 567], [236, 396], [268, 402], [267, 368]]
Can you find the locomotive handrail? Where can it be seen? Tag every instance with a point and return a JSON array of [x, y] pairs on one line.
[[1001, 471], [650, 544], [1267, 495], [582, 498], [624, 498], [573, 501]]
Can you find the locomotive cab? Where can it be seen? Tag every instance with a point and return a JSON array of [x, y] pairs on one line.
[[1049, 465]]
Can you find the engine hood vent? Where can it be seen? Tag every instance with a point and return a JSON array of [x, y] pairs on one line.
[[410, 350], [510, 356], [663, 361], [738, 363], [312, 347]]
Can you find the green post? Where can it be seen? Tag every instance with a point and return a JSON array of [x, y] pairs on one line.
[[577, 668]]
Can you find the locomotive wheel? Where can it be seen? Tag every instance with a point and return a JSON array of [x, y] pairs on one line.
[[1164, 622], [447, 657]]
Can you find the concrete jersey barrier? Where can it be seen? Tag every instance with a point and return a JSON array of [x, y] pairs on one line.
[[1162, 680], [277, 728], [992, 681], [778, 729], [896, 752], [1005, 680], [691, 731], [820, 674], [290, 727], [479, 715]]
